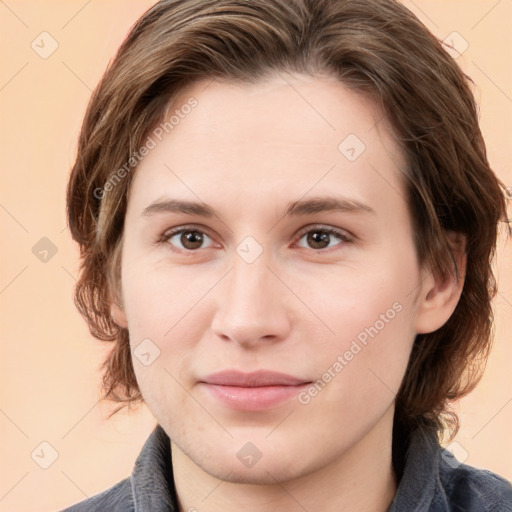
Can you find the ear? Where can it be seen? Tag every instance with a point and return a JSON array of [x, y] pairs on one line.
[[116, 308], [114, 291], [118, 315], [439, 296]]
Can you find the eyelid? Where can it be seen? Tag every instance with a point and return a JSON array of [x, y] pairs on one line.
[[342, 233], [185, 227]]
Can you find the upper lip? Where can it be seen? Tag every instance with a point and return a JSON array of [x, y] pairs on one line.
[[259, 378]]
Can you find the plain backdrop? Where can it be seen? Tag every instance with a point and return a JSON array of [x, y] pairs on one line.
[[49, 379]]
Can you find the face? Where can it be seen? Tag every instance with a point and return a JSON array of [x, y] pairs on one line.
[[270, 328]]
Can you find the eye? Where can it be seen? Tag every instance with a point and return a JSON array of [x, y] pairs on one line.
[[191, 238], [320, 237], [185, 238]]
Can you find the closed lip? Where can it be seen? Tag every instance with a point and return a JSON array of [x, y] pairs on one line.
[[259, 378]]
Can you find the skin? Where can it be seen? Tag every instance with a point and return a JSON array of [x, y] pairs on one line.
[[247, 151]]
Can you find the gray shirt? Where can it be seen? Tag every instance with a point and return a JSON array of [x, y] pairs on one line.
[[432, 481]]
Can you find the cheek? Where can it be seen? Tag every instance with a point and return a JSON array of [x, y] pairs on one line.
[[374, 360], [158, 299], [359, 375], [371, 316], [159, 307], [363, 303]]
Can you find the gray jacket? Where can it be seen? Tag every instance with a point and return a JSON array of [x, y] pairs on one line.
[[432, 481]]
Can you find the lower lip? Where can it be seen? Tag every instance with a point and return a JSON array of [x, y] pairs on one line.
[[253, 399]]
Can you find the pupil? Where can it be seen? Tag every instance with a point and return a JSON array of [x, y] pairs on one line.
[[318, 238], [191, 238]]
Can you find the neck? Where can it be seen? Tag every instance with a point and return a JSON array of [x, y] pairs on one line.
[[360, 480]]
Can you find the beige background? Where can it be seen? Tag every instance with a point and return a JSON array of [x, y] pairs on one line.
[[49, 380]]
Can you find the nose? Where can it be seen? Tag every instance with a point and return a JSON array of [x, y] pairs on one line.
[[253, 305]]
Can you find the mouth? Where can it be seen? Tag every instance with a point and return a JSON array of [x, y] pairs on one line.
[[254, 391]]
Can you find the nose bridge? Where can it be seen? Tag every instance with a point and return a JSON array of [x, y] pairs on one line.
[[251, 304], [251, 280]]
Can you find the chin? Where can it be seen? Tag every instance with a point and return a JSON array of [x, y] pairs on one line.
[[260, 474]]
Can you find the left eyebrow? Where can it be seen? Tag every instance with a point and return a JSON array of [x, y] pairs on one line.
[[324, 204], [295, 208]]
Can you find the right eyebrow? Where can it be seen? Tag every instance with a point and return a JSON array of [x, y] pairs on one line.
[[174, 205]]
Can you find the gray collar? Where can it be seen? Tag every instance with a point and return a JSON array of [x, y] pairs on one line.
[[152, 478], [420, 479]]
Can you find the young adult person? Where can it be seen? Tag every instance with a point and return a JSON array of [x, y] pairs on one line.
[[287, 222]]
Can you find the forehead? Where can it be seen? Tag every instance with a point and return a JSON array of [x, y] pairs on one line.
[[288, 133], [281, 109]]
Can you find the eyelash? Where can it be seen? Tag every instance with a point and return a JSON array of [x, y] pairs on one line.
[[167, 235]]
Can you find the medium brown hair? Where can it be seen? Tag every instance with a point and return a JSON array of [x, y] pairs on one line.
[[377, 47]]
